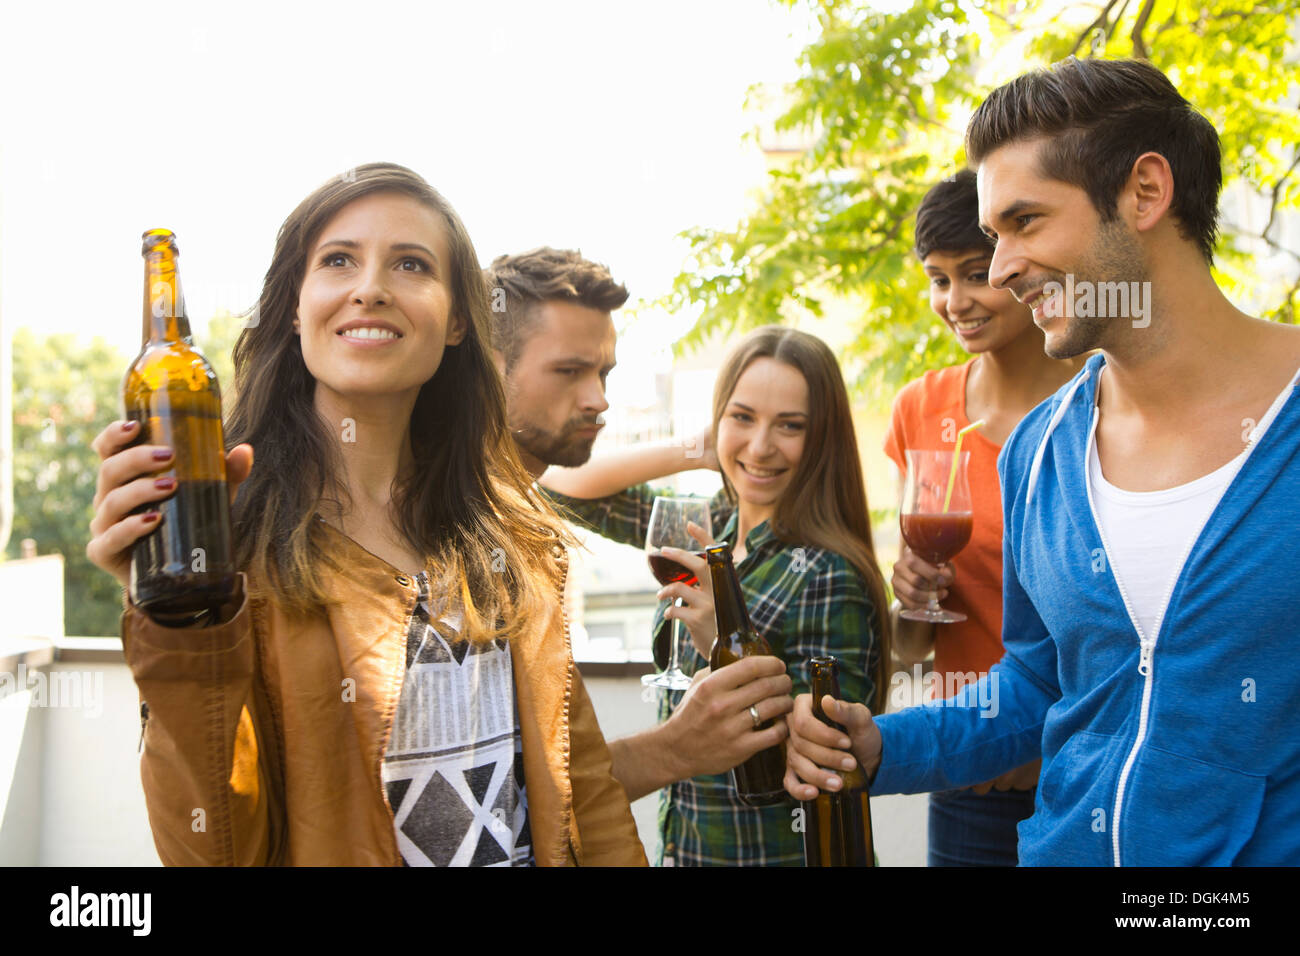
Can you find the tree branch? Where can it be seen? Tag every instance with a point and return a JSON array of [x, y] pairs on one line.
[[1271, 243], [1100, 21], [1290, 300], [888, 237], [1139, 46], [1172, 21], [1277, 193]]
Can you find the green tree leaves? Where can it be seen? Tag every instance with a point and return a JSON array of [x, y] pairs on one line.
[[65, 393], [882, 103]]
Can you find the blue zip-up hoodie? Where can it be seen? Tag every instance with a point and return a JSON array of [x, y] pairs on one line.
[[1180, 748]]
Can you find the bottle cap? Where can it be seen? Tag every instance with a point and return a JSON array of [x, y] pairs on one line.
[[153, 238]]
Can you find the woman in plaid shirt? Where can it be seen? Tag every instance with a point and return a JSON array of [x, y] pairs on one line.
[[794, 510]]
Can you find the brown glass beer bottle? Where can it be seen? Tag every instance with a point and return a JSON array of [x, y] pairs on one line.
[[837, 826], [184, 569], [759, 780]]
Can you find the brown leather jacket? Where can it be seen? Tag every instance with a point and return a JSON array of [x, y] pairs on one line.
[[265, 735]]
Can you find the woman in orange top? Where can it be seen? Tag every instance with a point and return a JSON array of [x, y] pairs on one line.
[[1007, 377]]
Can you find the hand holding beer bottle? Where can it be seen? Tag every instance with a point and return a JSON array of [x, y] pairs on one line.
[[126, 482], [177, 558], [814, 745], [758, 779]]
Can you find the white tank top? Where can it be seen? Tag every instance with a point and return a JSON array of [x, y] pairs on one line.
[[1149, 533]]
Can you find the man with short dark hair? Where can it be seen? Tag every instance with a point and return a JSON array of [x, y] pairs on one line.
[[1150, 643], [554, 338]]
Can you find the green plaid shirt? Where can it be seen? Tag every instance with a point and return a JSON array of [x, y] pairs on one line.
[[806, 602]]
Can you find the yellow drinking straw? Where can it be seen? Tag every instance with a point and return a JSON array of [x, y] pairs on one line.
[[956, 457]]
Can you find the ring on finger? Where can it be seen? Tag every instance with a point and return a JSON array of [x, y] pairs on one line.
[[753, 715]]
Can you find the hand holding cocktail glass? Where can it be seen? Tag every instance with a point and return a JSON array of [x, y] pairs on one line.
[[935, 515]]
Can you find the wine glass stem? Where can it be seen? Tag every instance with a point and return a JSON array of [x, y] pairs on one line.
[[674, 664], [934, 602]]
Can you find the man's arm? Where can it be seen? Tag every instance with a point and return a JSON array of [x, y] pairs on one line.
[[988, 728], [711, 730], [610, 474]]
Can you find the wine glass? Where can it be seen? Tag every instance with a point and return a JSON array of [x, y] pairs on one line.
[[936, 517], [668, 519]]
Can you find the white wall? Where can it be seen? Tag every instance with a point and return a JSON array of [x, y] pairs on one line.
[[93, 811], [70, 792], [21, 738]]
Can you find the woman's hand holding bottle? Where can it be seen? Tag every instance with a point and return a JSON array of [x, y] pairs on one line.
[[127, 481]]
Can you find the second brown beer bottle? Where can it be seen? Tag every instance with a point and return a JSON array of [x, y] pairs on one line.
[[759, 781], [184, 569], [837, 825]]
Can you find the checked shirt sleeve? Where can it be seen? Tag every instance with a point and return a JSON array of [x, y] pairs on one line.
[[622, 517], [832, 615]]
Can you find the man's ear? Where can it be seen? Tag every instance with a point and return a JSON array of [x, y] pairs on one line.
[[1150, 189]]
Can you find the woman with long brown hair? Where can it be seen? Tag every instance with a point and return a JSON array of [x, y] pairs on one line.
[[393, 683], [794, 510]]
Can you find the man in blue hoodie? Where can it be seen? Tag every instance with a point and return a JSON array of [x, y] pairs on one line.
[[1150, 508]]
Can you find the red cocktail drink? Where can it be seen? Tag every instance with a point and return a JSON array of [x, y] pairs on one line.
[[935, 518], [937, 537]]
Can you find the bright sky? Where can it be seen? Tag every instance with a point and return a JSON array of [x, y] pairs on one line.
[[605, 126]]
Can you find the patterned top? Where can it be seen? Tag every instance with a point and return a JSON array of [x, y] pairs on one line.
[[805, 602], [454, 766]]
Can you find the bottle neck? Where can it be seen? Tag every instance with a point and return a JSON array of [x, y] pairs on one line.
[[164, 305], [825, 680], [728, 599]]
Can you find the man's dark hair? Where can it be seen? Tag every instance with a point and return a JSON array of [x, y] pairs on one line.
[[1101, 116], [517, 285], [948, 219]]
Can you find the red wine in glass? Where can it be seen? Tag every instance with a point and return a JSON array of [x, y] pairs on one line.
[[667, 571], [669, 518]]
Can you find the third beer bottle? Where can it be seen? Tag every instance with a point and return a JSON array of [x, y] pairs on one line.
[[837, 825], [759, 780], [184, 569]]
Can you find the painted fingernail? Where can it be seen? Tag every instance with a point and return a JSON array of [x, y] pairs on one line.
[[164, 484], [161, 454], [151, 516], [127, 426]]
